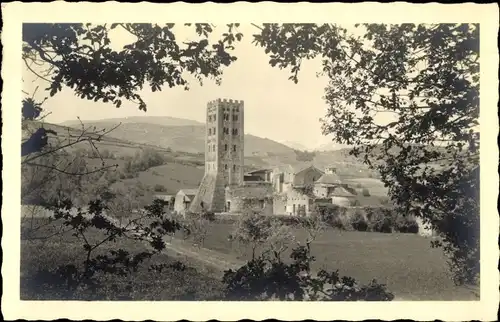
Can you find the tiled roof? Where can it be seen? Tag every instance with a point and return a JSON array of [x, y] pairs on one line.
[[341, 192], [258, 171], [300, 177], [329, 178], [189, 192], [251, 191]]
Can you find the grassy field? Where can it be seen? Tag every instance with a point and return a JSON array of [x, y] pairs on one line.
[[405, 262], [41, 255]]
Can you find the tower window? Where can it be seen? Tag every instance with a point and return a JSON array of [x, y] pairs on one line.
[[234, 167], [213, 147], [234, 148], [235, 131], [209, 148], [225, 147], [209, 131], [215, 117], [235, 117], [225, 166], [214, 130]]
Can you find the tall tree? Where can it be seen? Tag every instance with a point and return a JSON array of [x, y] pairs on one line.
[[81, 56], [407, 98]]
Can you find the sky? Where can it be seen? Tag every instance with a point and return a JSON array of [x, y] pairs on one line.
[[275, 107]]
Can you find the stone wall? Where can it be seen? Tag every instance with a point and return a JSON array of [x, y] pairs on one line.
[[257, 196], [297, 200]]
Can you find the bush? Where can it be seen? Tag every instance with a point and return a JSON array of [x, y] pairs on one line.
[[159, 188], [269, 278], [332, 215], [380, 220], [358, 222], [366, 192], [405, 224]]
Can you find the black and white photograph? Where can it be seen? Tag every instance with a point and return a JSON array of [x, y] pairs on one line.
[[199, 160]]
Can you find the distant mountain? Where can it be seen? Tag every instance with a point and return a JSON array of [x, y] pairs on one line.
[[331, 146], [160, 120], [296, 145], [186, 138]]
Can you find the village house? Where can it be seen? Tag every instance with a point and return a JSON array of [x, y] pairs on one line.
[[251, 196], [183, 200], [262, 175]]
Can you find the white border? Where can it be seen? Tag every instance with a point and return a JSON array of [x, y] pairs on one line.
[[16, 13]]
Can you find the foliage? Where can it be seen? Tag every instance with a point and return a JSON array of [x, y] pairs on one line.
[[159, 188], [366, 192], [304, 155], [358, 221], [380, 220], [257, 231], [424, 81], [406, 224], [266, 278], [331, 215], [80, 222], [197, 225]]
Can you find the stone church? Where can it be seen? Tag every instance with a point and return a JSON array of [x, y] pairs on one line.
[[226, 188], [223, 188]]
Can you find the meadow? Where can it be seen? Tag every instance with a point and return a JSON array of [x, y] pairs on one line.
[[41, 257], [406, 263]]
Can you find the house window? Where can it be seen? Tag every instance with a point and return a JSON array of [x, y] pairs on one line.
[[234, 148], [209, 150], [225, 147], [234, 167], [262, 204]]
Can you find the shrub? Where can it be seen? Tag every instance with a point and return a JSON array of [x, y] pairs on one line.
[[405, 224], [331, 215], [358, 221], [266, 278], [366, 192], [380, 220], [159, 188]]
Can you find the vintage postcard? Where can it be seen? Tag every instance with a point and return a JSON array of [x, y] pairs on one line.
[[249, 161]]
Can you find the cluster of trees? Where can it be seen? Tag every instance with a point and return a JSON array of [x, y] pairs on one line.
[[305, 156], [426, 77]]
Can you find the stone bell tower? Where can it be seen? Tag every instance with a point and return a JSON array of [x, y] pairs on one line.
[[224, 154]]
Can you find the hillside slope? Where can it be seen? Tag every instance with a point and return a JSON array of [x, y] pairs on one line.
[[186, 138], [160, 120]]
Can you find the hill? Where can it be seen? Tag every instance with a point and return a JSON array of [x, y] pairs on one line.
[[186, 138], [296, 146], [160, 120], [65, 134]]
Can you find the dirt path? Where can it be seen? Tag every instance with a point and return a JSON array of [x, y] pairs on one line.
[[219, 262]]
